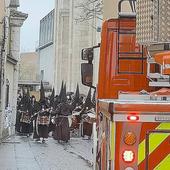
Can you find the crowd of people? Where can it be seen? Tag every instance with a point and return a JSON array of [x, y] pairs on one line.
[[50, 114]]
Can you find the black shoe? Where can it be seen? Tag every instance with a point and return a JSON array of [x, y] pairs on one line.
[[38, 139]]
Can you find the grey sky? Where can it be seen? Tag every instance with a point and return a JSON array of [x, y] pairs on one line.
[[36, 10]]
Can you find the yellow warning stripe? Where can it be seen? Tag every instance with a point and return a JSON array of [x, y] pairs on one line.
[[154, 141], [164, 165], [112, 141]]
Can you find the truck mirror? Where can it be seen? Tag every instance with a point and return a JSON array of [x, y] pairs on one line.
[[87, 54], [87, 74]]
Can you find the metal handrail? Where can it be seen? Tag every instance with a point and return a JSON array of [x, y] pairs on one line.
[[131, 14]]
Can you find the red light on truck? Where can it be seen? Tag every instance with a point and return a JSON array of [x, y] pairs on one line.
[[133, 118], [128, 156]]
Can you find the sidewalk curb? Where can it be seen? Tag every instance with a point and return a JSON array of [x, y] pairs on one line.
[[5, 138]]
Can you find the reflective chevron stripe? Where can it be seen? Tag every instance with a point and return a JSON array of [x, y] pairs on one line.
[[164, 165], [112, 141], [154, 141]]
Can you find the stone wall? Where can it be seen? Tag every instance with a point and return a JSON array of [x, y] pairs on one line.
[[111, 8], [10, 31], [70, 38], [29, 66]]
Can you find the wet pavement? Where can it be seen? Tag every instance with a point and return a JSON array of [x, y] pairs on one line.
[[22, 153]]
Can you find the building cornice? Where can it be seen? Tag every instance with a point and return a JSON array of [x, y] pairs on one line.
[[32, 82], [64, 12], [46, 45], [14, 4], [17, 18]]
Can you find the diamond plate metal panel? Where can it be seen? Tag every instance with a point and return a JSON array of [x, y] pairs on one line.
[[153, 21]]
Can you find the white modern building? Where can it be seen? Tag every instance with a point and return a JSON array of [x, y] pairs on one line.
[[46, 49]]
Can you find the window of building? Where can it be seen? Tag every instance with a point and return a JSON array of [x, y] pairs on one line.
[[46, 29]]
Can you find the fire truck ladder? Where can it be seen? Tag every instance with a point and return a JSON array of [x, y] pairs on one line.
[[137, 53]]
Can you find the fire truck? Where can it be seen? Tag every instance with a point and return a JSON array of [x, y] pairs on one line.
[[133, 94]]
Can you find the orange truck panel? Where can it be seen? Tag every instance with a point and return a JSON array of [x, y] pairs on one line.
[[122, 61], [123, 67], [162, 58], [141, 130]]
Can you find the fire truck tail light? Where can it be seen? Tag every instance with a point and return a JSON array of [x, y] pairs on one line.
[[130, 138], [128, 156], [133, 118]]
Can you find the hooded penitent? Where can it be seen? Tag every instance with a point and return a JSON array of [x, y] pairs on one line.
[[52, 98], [64, 94], [76, 97], [28, 92], [88, 103], [23, 91], [42, 100], [25, 102], [42, 92], [94, 99], [61, 90]]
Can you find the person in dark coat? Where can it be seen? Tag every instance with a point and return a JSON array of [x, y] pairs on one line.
[[51, 127], [87, 124], [35, 108], [62, 130], [63, 110], [18, 115], [52, 103], [42, 119], [25, 116]]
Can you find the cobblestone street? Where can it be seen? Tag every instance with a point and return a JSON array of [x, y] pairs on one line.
[[22, 153]]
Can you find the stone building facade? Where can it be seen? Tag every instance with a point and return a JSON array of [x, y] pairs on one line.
[[29, 67], [29, 77], [70, 37], [110, 8], [11, 21], [60, 60]]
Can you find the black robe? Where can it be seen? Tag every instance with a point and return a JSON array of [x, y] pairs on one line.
[[35, 108], [52, 125], [18, 123], [25, 122], [62, 130], [42, 130]]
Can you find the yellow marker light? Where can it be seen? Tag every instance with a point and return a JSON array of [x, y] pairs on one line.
[[130, 138]]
